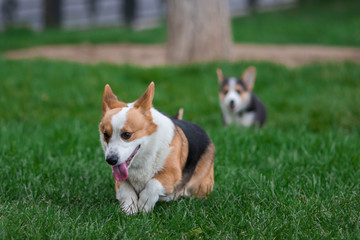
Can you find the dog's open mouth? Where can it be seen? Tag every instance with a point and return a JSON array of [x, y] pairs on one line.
[[120, 172]]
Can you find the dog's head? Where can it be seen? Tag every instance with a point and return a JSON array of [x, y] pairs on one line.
[[124, 128], [235, 92]]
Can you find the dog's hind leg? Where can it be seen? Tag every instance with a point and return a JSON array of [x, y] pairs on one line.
[[202, 180]]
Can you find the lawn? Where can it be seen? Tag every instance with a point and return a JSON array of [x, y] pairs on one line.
[[323, 22], [296, 178]]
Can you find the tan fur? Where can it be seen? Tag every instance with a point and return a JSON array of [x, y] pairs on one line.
[[239, 88], [138, 123], [110, 100], [180, 114], [222, 92], [220, 75], [144, 103], [105, 125], [225, 89], [221, 96], [110, 106], [175, 162], [248, 77], [202, 180], [184, 146], [245, 96], [117, 185]]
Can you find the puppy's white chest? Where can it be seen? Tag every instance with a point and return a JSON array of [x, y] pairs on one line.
[[246, 119]]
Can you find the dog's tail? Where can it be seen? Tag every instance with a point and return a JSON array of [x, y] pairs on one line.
[[179, 115]]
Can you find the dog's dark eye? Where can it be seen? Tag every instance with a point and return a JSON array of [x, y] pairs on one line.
[[238, 91], [226, 92], [106, 136], [126, 135]]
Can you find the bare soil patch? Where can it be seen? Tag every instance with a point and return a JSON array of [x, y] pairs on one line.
[[155, 55]]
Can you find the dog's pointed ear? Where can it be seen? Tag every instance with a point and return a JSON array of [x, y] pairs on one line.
[[144, 103], [110, 100], [220, 75], [249, 77]]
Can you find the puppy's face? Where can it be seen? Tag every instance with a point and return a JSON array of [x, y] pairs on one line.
[[124, 129], [235, 93]]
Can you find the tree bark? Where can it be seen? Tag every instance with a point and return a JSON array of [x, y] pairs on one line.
[[52, 13], [198, 30]]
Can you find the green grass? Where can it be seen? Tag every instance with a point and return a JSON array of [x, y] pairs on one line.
[[296, 178], [334, 22], [331, 22], [22, 38]]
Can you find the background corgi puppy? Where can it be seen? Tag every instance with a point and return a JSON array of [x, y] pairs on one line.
[[153, 157], [238, 103]]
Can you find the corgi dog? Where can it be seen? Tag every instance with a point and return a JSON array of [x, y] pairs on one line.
[[239, 105], [152, 156]]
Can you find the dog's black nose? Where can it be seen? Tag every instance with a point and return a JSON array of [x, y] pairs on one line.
[[112, 159], [232, 103]]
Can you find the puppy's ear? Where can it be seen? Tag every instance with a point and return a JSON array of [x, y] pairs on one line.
[[110, 100], [249, 77], [144, 103], [220, 75]]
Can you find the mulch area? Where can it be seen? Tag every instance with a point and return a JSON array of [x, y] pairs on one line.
[[155, 55]]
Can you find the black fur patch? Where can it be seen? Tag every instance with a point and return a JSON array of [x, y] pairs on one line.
[[257, 106]]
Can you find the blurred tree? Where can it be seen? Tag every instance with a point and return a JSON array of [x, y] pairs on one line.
[[252, 4], [8, 10], [198, 30], [129, 9], [52, 13], [92, 10]]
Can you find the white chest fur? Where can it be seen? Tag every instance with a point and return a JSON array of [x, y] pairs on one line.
[[246, 119], [153, 152]]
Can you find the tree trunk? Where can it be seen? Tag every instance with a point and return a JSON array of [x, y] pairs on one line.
[[52, 14], [198, 30]]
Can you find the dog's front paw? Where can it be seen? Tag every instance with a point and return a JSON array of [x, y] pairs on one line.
[[150, 195], [129, 209], [146, 201], [128, 198]]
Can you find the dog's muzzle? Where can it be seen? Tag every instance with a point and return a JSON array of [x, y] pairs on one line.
[[232, 104]]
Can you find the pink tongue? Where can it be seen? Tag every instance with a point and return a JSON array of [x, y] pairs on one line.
[[120, 172]]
